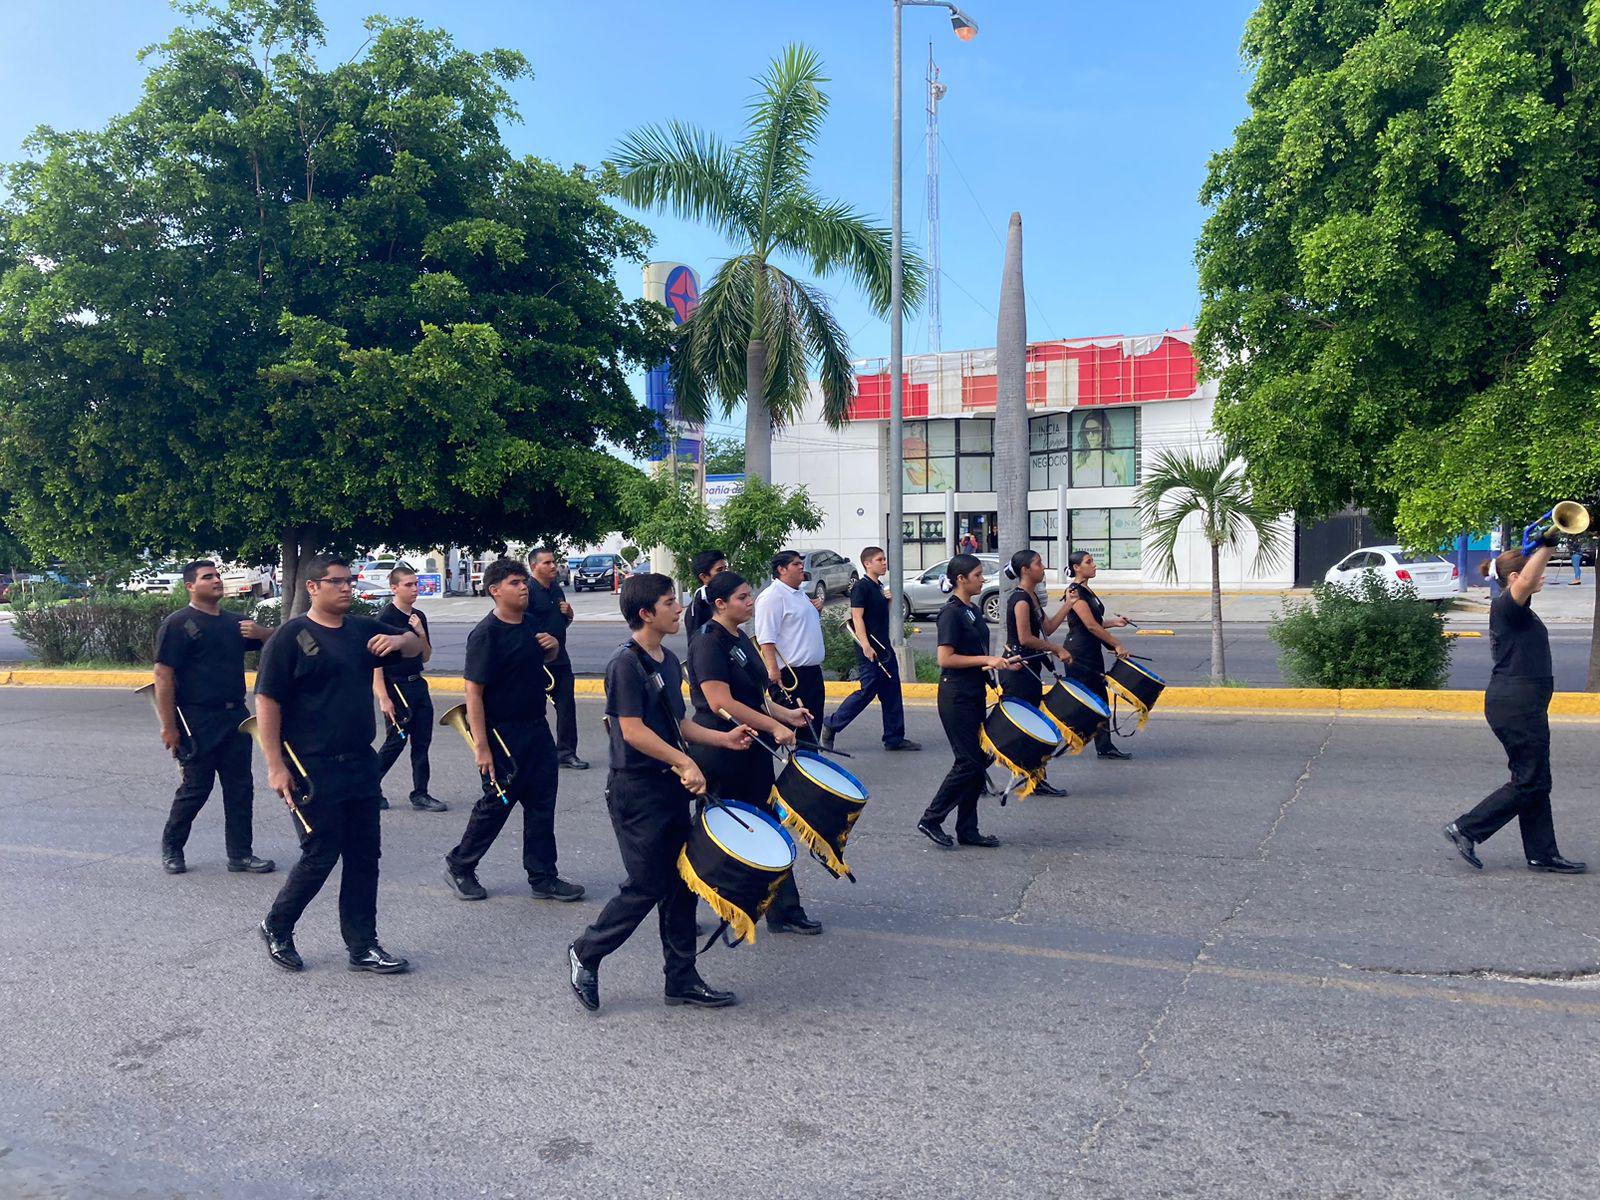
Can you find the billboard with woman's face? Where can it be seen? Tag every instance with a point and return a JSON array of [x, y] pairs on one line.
[[1102, 448]]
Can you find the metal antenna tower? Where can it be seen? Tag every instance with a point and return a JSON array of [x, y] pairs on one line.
[[936, 91]]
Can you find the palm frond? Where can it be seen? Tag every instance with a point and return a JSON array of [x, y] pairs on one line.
[[688, 171], [1183, 484], [828, 350], [784, 120], [712, 343], [836, 237]]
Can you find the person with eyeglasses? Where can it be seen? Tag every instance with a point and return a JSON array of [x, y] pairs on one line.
[[314, 695]]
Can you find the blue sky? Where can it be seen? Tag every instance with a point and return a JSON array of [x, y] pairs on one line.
[[1095, 121]]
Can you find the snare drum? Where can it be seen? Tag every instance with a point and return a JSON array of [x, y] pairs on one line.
[[1077, 712], [1022, 739], [1137, 684], [734, 860], [818, 802]]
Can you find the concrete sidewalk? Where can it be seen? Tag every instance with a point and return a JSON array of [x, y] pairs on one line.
[[1558, 603]]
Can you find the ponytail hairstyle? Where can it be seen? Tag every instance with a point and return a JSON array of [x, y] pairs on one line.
[[723, 585], [1502, 567], [1075, 560], [961, 564], [1020, 562]]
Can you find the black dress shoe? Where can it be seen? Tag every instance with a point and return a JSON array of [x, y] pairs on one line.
[[987, 840], [426, 803], [281, 949], [465, 885], [585, 981], [172, 862], [794, 923], [904, 744], [827, 737], [573, 763], [252, 864], [1463, 844], [699, 995], [935, 835], [383, 803], [1114, 753], [1045, 788], [557, 889], [1556, 865], [379, 961]]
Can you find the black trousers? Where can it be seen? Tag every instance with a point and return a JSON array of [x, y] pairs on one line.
[[1518, 712], [650, 814], [566, 706], [418, 734], [812, 692], [1093, 677], [747, 775], [343, 814], [229, 758], [533, 786], [961, 705]]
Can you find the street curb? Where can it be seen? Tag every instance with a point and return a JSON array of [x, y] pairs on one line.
[[1563, 704]]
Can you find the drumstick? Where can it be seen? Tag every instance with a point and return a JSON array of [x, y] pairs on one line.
[[767, 746], [875, 662]]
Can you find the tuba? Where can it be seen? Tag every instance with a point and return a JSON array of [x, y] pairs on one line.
[[1568, 518], [297, 772], [505, 765]]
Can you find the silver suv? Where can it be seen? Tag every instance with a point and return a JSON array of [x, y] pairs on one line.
[[827, 573], [923, 594]]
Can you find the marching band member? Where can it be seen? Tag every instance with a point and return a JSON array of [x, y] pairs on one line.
[[1027, 631], [649, 807], [200, 699], [877, 671], [1086, 634], [707, 564], [403, 681], [506, 657], [725, 675], [789, 631], [1517, 703], [963, 658], [550, 613], [314, 692]]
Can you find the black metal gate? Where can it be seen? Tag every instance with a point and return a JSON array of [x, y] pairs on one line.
[[1319, 545]]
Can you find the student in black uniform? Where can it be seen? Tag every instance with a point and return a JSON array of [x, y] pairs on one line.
[[200, 670], [314, 692], [1086, 633], [707, 565], [506, 657], [877, 670], [649, 804], [403, 693], [1028, 631], [963, 658], [1517, 703], [550, 613], [726, 673]]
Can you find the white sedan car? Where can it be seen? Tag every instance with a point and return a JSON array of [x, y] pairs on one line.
[[1432, 575]]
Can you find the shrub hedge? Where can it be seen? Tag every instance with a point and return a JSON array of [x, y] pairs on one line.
[[1363, 634]]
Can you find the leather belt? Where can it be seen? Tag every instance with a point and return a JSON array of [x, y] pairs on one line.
[[405, 678]]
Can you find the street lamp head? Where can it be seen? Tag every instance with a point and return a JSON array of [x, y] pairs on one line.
[[965, 27]]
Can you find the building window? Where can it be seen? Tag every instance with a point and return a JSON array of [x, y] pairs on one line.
[[943, 456], [1086, 448], [1044, 536], [975, 454], [1110, 534], [923, 538]]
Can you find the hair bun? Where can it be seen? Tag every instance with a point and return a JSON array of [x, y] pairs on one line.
[[946, 584], [1008, 571]]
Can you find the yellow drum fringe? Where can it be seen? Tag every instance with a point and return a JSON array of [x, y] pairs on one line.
[[819, 845], [1030, 779], [1068, 734], [1133, 701], [738, 920]]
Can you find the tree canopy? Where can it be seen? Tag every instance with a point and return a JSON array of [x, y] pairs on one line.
[[279, 304], [1401, 270]]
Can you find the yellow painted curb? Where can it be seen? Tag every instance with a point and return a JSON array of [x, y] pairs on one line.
[[1154, 633], [1460, 633]]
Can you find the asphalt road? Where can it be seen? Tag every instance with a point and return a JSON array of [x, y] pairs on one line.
[[1244, 964]]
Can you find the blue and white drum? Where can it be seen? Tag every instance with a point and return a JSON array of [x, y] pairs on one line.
[[734, 860], [1022, 739], [818, 802], [1077, 712]]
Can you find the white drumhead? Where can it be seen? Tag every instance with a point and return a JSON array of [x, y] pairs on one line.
[[1031, 721], [764, 843], [1087, 698], [830, 776]]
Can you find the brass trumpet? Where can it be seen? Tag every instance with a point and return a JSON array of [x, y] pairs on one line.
[[1568, 517], [297, 772], [456, 718], [186, 742]]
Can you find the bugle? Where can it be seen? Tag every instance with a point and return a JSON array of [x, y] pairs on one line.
[[402, 712], [302, 789], [1568, 518], [186, 738], [456, 718]]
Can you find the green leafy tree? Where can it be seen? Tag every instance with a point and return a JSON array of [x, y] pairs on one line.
[[1401, 271], [1184, 486], [724, 456], [749, 528], [1364, 634], [760, 332], [278, 308]]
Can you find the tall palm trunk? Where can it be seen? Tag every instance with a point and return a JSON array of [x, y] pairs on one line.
[[757, 416], [1011, 410], [1218, 667]]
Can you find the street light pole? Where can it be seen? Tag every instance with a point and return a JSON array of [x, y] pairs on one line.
[[966, 29]]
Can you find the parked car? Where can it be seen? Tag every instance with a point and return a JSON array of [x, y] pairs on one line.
[[923, 596], [596, 572], [1561, 556], [642, 567], [378, 593], [241, 580], [827, 573], [376, 570], [156, 581], [1432, 575]]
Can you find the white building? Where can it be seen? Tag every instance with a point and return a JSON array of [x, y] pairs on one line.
[[1100, 409]]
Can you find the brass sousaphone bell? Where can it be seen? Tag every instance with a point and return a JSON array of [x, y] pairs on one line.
[[1568, 517], [505, 769]]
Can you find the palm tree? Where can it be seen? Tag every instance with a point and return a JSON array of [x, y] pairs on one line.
[[1208, 485], [759, 331]]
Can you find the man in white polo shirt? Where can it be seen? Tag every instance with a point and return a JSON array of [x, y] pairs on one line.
[[789, 635]]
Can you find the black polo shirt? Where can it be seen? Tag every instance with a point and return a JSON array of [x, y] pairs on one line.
[[508, 663], [717, 655], [322, 678], [403, 668], [1518, 639], [963, 629], [206, 654], [874, 605], [544, 610], [638, 686]]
